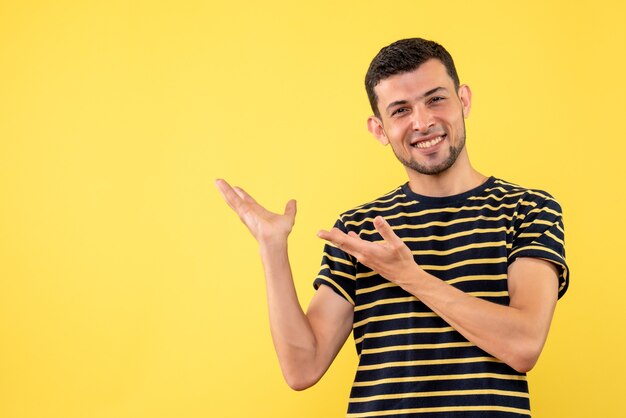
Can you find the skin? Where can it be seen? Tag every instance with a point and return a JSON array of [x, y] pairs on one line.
[[306, 344], [417, 106], [420, 105]]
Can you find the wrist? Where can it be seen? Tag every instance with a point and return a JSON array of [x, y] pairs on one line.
[[412, 279], [272, 245]]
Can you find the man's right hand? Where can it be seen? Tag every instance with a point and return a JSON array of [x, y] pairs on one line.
[[264, 225], [306, 344]]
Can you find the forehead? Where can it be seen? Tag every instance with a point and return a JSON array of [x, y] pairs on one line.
[[407, 86]]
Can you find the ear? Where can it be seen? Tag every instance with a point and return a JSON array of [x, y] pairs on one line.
[[375, 126], [465, 95]]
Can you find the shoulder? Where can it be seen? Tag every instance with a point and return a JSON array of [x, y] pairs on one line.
[[389, 203], [524, 197]]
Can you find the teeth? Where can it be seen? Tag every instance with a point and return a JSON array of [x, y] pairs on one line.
[[428, 144]]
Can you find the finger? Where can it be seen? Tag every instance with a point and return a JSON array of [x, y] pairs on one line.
[[291, 208], [325, 235], [238, 191], [351, 245], [385, 230], [228, 193], [355, 245], [334, 236], [243, 194]]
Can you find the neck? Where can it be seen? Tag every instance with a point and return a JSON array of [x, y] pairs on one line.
[[459, 178]]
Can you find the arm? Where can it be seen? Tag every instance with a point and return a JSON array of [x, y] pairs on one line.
[[306, 344], [514, 334]]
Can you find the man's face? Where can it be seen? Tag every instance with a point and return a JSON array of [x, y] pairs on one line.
[[422, 117]]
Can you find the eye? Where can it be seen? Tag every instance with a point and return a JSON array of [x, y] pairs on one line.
[[437, 99], [399, 111]]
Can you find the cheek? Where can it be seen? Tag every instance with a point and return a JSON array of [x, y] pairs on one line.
[[454, 121], [397, 131]]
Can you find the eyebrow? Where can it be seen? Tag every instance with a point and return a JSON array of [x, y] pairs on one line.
[[403, 102]]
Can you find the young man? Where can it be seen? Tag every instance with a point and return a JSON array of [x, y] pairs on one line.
[[449, 282]]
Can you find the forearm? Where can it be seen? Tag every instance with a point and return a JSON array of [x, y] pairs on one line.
[[292, 334], [305, 344], [512, 334]]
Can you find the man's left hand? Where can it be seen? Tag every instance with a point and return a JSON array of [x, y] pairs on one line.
[[390, 258]]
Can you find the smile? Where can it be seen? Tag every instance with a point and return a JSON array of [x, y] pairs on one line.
[[429, 143]]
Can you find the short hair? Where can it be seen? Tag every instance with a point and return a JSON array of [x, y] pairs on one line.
[[404, 56]]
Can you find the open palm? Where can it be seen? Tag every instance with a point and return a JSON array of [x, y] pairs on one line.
[[263, 224]]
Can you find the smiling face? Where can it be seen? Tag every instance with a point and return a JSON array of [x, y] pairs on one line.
[[422, 118]]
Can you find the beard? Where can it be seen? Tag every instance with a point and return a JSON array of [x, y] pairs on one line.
[[431, 170]]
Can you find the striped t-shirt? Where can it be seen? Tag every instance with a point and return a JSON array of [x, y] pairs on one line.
[[411, 362]]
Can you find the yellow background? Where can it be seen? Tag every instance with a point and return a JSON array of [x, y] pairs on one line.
[[129, 290]]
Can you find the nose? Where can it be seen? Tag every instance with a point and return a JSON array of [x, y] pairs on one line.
[[422, 120]]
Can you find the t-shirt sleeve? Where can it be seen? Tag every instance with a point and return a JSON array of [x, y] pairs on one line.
[[539, 233], [338, 270]]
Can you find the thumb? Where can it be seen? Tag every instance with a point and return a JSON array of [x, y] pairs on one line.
[[291, 208], [385, 230]]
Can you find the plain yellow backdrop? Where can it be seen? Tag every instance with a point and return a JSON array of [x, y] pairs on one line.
[[127, 287]]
